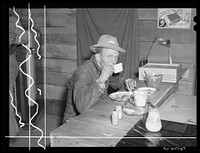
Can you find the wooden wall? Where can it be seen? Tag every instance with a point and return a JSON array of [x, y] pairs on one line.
[[60, 53], [183, 45]]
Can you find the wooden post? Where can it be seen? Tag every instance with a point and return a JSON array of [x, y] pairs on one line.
[[22, 98], [30, 70]]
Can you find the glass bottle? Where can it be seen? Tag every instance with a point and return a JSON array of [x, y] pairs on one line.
[[119, 111], [153, 122]]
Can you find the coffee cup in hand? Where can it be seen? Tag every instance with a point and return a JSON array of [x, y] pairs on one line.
[[118, 68]]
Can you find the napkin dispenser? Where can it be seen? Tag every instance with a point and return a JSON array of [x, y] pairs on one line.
[[171, 72]]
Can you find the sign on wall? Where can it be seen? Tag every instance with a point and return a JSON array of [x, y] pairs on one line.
[[174, 18]]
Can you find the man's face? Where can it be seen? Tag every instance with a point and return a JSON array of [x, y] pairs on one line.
[[108, 56]]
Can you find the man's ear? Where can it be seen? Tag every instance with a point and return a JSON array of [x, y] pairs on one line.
[[97, 56]]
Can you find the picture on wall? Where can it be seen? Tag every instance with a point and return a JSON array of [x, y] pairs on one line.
[[178, 18]]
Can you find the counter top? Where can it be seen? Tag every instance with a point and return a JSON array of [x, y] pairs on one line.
[[94, 127]]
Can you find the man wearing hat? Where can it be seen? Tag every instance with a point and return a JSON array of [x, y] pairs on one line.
[[90, 81]]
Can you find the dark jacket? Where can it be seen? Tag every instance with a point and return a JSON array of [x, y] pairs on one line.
[[84, 91]]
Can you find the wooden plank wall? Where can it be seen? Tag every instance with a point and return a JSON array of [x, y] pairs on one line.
[[61, 53], [183, 45]]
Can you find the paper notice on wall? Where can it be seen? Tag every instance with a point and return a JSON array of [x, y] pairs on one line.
[[178, 18]]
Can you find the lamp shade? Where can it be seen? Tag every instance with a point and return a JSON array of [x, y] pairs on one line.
[[163, 41]]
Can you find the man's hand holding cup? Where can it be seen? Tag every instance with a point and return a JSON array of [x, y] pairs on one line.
[[106, 72]]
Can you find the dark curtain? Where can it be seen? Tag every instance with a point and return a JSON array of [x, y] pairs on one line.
[[121, 23]]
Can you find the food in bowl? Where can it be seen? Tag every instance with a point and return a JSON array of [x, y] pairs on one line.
[[120, 96], [148, 90], [153, 80], [131, 109]]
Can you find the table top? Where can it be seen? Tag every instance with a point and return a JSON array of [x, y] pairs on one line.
[[94, 127]]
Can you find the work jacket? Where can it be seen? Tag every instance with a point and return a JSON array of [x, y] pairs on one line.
[[84, 91]]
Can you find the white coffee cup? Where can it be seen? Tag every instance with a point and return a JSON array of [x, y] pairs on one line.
[[140, 98], [118, 68]]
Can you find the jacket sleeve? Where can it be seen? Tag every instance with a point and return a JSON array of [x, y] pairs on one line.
[[86, 91]]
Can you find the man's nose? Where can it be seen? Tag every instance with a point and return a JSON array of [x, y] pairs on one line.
[[114, 61]]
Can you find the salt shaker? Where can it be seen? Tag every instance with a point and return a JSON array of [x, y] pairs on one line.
[[115, 117], [119, 111]]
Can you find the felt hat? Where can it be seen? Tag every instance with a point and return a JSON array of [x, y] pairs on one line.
[[107, 41]]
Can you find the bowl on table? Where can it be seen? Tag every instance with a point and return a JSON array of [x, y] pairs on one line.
[[131, 109], [153, 80], [120, 96]]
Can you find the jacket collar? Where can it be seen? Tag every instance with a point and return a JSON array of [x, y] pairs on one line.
[[94, 61]]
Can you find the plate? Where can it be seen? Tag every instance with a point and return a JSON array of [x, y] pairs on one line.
[[131, 109], [149, 90], [120, 96]]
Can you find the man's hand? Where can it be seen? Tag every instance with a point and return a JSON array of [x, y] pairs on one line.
[[106, 72], [130, 84]]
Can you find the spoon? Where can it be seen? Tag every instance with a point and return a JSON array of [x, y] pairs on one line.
[[151, 105], [145, 73], [130, 89]]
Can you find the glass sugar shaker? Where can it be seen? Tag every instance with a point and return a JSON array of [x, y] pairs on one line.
[[153, 122], [115, 117]]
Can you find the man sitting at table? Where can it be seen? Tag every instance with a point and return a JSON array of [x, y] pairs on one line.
[[90, 81]]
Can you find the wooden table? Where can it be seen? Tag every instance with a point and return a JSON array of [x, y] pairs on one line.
[[93, 128]]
